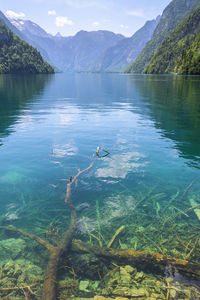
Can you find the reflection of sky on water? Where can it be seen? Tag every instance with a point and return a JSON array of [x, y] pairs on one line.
[[25, 121], [60, 130], [119, 165], [60, 151]]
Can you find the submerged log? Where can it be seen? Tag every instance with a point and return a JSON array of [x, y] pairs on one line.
[[124, 256], [139, 257]]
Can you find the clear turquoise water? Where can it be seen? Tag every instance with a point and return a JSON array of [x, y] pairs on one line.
[[51, 125]]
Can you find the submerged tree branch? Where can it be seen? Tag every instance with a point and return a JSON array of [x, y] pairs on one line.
[[144, 257], [141, 257], [131, 256], [50, 282], [42, 242], [72, 180]]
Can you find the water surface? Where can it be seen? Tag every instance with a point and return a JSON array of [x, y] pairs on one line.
[[52, 125]]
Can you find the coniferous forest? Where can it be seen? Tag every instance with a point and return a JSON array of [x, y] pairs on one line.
[[180, 52], [16, 56]]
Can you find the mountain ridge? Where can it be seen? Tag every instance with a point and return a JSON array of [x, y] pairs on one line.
[[94, 51], [118, 57], [73, 53]]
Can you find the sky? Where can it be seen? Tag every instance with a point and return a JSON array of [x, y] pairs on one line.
[[70, 16]]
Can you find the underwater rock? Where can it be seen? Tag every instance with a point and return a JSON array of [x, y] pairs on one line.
[[5, 282], [155, 296], [188, 294], [125, 276], [139, 276], [83, 285], [17, 274], [195, 207], [22, 271], [12, 248], [173, 293], [130, 269], [141, 292], [94, 285], [122, 282]]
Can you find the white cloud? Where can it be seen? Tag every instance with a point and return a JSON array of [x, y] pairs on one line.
[[136, 13], [95, 23], [51, 12], [124, 26], [62, 21], [12, 14]]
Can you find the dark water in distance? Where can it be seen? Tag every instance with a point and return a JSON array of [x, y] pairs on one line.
[[51, 125]]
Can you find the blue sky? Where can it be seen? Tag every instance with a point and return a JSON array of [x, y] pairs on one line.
[[70, 16]]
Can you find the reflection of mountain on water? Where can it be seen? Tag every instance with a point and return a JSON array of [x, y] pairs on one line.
[[174, 106], [15, 93]]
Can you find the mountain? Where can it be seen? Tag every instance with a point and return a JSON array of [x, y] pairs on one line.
[[173, 14], [11, 26], [88, 51], [16, 56], [118, 57], [45, 43], [18, 33], [179, 53], [28, 28], [85, 47], [76, 53]]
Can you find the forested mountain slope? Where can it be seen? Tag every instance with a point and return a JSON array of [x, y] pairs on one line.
[[180, 52], [173, 14], [16, 56]]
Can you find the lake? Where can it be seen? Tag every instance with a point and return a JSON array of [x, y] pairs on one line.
[[51, 126]]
